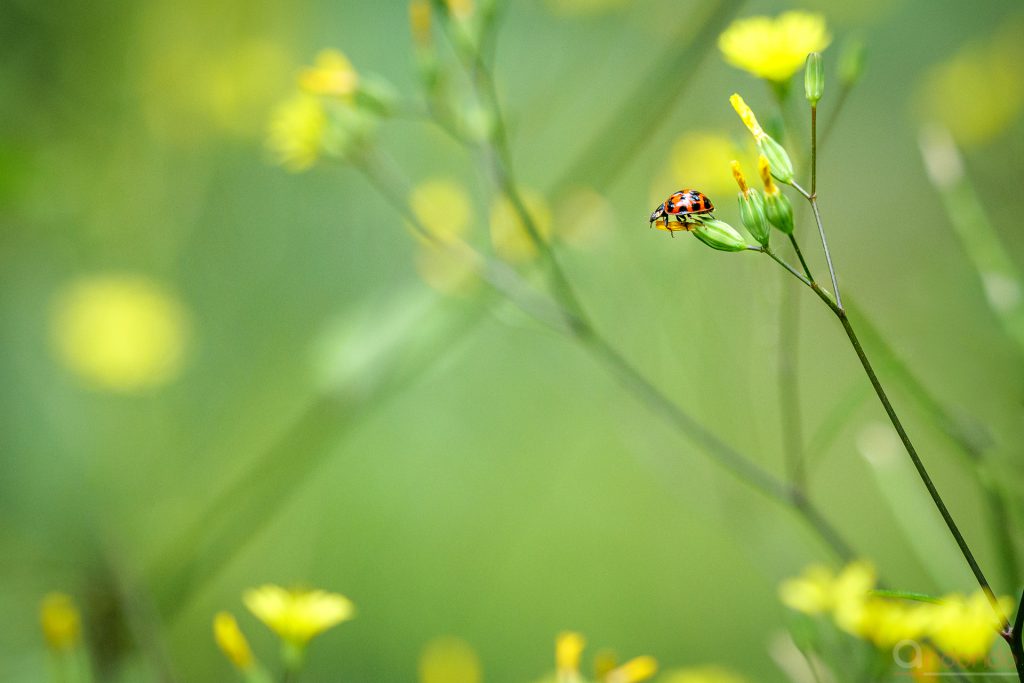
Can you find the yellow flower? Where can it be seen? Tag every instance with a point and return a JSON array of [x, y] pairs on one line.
[[635, 670], [297, 615], [965, 627], [820, 590], [449, 268], [460, 9], [508, 234], [703, 674], [420, 22], [977, 94], [443, 207], [231, 641], [887, 622], [774, 49], [568, 649], [737, 174], [449, 660], [61, 622], [121, 332], [297, 129], [332, 74]]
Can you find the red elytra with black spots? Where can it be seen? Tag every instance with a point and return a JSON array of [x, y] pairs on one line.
[[681, 204]]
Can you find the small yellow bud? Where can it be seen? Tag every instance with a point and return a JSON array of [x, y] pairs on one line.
[[778, 158], [765, 170], [61, 622], [635, 670], [737, 173], [332, 74], [568, 648], [420, 23], [231, 641], [747, 115]]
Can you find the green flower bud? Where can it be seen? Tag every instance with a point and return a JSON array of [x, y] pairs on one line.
[[719, 235], [851, 63], [778, 158], [779, 211], [752, 213], [814, 78]]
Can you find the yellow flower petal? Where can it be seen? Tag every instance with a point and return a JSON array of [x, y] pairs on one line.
[[231, 641], [332, 74], [635, 670], [568, 649]]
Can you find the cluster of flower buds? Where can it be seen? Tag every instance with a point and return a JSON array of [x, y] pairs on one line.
[[777, 206]]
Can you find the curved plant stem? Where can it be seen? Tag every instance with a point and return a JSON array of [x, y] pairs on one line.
[[904, 438]]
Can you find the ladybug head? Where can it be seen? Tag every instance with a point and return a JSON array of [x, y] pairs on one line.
[[658, 213]]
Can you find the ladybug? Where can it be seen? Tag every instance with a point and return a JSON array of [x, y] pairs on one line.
[[683, 204]]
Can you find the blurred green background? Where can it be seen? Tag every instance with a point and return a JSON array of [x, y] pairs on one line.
[[321, 416]]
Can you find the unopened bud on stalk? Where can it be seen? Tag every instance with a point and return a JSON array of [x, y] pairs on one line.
[[752, 207], [814, 78], [777, 156], [776, 205], [719, 235]]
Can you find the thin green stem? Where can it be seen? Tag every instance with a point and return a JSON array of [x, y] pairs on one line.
[[800, 255], [824, 240], [814, 150], [907, 443]]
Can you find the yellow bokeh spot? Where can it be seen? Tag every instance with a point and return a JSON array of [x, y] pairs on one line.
[[509, 235], [774, 48], [460, 9], [332, 74], [702, 674], [231, 641], [584, 216], [60, 621], [978, 93], [568, 649], [448, 659], [449, 268], [297, 615], [444, 208], [964, 628], [820, 590], [297, 129], [121, 332]]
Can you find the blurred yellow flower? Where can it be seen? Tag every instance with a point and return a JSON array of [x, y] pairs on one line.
[[420, 22], [964, 628], [508, 234], [700, 160], [774, 49], [449, 268], [296, 134], [449, 660], [977, 94], [443, 206], [820, 590], [61, 622], [332, 75], [703, 674], [460, 9], [298, 615], [887, 622], [635, 670], [121, 332], [568, 650], [231, 641]]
